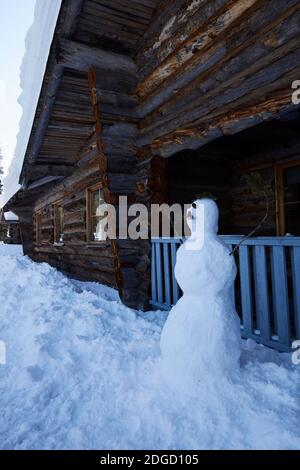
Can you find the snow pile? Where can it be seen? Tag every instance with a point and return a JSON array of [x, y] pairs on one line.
[[37, 44], [12, 250], [203, 329], [10, 216], [83, 371]]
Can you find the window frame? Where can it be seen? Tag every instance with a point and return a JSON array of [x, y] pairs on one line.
[[56, 235], [89, 211], [279, 185]]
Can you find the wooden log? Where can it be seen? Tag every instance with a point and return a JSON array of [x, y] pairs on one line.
[[253, 38], [80, 57], [254, 78], [199, 41], [39, 171], [230, 124], [174, 24]]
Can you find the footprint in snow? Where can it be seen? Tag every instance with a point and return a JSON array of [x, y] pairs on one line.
[[36, 373]]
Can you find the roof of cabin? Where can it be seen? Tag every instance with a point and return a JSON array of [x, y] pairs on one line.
[[83, 27], [199, 70], [64, 117]]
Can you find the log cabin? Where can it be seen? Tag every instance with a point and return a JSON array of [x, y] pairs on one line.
[[163, 100], [9, 228]]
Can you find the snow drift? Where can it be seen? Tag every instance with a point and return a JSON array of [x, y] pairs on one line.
[[37, 45], [83, 372], [10, 250]]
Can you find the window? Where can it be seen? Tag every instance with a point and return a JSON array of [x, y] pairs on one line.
[[288, 198], [96, 218], [58, 223], [38, 227]]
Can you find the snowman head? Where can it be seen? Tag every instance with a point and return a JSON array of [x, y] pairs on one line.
[[203, 215]]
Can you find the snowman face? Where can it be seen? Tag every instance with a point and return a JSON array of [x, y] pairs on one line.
[[203, 216], [191, 216]]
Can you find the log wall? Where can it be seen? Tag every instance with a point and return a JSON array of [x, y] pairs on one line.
[[213, 68], [109, 157]]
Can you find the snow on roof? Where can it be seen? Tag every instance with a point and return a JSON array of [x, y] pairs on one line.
[[37, 45], [10, 216]]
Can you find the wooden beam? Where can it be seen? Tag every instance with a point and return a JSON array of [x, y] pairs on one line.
[[194, 138], [43, 181], [75, 55], [241, 91], [40, 171]]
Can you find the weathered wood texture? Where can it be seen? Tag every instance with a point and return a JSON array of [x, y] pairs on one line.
[[117, 25], [116, 149], [214, 68]]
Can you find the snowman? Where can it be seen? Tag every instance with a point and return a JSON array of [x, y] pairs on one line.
[[201, 337]]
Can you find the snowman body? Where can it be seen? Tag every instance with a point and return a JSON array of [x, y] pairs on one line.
[[201, 336]]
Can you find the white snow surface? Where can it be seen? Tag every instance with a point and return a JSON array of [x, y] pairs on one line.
[[11, 250], [10, 216], [84, 372], [37, 45]]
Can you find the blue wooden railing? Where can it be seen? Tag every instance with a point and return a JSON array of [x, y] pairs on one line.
[[266, 292]]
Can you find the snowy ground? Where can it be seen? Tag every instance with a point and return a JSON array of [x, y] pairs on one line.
[[83, 371], [11, 249]]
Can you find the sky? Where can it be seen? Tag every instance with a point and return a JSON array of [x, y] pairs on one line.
[[16, 16]]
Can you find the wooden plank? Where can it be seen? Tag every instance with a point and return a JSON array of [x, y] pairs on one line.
[[233, 285], [295, 253], [78, 56], [159, 273], [167, 277], [280, 294], [267, 241], [246, 291], [261, 292], [175, 287], [153, 275]]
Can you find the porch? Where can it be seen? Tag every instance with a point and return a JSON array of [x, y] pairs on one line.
[[267, 287]]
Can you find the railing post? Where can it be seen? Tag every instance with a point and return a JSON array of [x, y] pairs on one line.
[[167, 276], [262, 292], [296, 286], [175, 287], [246, 292], [160, 295], [280, 294], [153, 274]]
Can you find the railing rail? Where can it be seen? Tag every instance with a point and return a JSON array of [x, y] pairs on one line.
[[266, 292]]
